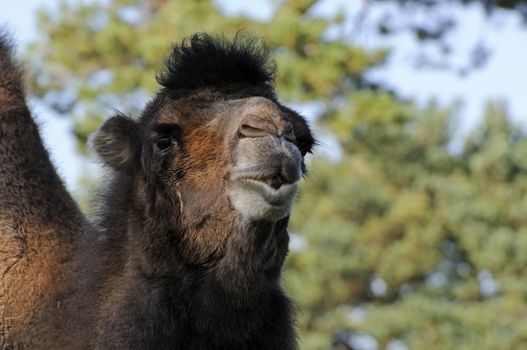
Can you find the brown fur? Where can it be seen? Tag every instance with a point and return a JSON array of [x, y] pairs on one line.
[[186, 252], [38, 220]]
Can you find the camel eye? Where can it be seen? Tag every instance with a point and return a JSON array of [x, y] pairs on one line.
[[164, 144]]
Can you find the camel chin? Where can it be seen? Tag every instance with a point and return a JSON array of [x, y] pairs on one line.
[[258, 200]]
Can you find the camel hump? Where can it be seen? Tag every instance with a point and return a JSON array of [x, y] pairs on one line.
[[30, 189], [40, 224], [11, 77]]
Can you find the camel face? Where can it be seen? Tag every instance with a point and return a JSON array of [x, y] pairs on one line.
[[238, 155], [212, 155], [203, 165]]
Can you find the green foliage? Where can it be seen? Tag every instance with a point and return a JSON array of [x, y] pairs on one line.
[[401, 238], [443, 234]]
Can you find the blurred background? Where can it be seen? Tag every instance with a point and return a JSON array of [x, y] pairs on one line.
[[411, 229]]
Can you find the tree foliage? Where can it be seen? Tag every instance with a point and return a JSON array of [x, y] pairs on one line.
[[427, 245], [401, 240]]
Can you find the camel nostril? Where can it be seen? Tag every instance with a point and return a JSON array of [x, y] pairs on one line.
[[290, 171]]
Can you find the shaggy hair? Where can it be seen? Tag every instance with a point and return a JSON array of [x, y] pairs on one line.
[[203, 61]]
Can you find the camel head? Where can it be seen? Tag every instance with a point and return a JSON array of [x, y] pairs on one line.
[[213, 151]]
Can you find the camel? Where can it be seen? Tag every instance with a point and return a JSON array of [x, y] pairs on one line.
[[190, 234]]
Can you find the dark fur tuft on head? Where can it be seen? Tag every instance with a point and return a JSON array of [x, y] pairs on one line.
[[203, 61]]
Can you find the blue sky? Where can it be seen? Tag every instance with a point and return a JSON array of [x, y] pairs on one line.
[[503, 77]]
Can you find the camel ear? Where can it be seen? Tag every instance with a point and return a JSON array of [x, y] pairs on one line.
[[116, 142]]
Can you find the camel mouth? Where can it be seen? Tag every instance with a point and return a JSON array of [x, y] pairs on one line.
[[264, 179], [273, 181], [274, 191], [274, 175], [262, 197]]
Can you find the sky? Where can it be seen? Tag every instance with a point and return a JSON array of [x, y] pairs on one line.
[[503, 77]]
